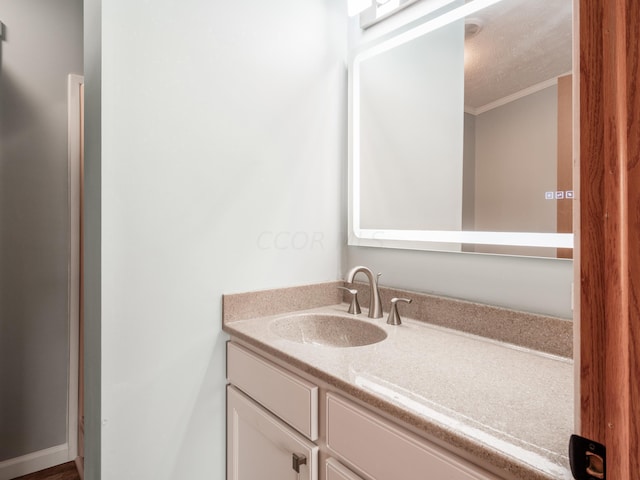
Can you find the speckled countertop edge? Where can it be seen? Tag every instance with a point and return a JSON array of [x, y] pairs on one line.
[[281, 301]]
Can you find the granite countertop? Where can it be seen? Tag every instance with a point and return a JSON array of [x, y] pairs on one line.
[[507, 406]]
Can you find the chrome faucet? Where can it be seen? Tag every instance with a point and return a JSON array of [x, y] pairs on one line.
[[394, 316], [354, 306], [375, 305]]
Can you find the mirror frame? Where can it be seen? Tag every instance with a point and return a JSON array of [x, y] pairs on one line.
[[439, 240]]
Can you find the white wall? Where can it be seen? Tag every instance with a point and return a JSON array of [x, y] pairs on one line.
[[530, 284], [41, 46], [223, 125], [222, 130]]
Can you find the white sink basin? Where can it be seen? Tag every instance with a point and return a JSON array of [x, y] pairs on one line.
[[327, 330]]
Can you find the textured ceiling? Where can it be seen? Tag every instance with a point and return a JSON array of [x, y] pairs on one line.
[[522, 43]]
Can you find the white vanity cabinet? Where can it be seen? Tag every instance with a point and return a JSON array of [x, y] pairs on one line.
[[272, 416], [260, 446], [272, 419]]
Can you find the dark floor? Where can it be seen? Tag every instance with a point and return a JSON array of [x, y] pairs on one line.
[[66, 471]]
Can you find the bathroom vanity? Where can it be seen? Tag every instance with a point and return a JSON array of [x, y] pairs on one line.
[[273, 428], [419, 402]]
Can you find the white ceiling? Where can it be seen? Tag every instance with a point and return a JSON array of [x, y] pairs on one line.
[[522, 44]]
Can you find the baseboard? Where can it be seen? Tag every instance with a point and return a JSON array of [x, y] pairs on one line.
[[33, 462]]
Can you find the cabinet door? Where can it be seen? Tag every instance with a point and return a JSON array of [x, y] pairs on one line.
[[337, 471], [260, 446]]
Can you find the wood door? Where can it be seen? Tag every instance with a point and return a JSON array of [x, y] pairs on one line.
[[608, 273], [261, 446]]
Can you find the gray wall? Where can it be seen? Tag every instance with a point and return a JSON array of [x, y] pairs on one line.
[[92, 236], [516, 162], [42, 45], [469, 173]]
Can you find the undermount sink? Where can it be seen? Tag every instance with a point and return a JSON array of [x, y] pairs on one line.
[[327, 330]]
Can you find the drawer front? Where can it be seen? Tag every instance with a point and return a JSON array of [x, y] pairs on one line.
[[383, 451], [288, 396], [337, 471]]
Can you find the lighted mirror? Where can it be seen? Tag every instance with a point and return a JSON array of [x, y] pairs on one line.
[[460, 132]]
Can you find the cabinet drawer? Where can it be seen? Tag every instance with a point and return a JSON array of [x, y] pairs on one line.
[[260, 446], [384, 451], [290, 397], [337, 471]]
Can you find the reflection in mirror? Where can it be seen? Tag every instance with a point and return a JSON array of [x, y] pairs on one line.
[[461, 132]]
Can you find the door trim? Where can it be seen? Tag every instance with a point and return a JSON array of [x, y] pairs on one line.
[[74, 85]]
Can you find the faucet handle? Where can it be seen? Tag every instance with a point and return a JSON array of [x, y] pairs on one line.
[[354, 307], [394, 316]]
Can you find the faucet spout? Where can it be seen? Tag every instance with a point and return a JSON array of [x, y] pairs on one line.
[[375, 304]]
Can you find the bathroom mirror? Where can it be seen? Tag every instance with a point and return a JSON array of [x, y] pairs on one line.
[[460, 132]]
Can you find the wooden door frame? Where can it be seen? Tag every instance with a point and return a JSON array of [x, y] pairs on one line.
[[608, 273]]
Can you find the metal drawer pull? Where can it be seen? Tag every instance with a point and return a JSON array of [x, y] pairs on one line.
[[297, 460]]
